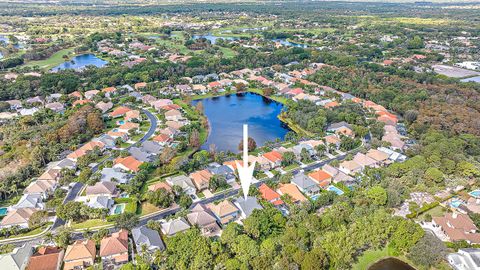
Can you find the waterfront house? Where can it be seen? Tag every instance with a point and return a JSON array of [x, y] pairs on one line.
[[201, 179]]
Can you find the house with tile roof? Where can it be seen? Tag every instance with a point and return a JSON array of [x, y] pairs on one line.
[[158, 104], [338, 176], [175, 226], [128, 163], [225, 211], [380, 157], [84, 149], [173, 115], [202, 217], [274, 157], [292, 191], [201, 179], [129, 126], [305, 184], [162, 139], [114, 248], [144, 236], [34, 200], [102, 188], [80, 255], [270, 195], [17, 259], [17, 217], [160, 185], [44, 187], [104, 106], [246, 206], [184, 182], [350, 167], [364, 160], [322, 178], [91, 93], [458, 227], [50, 175], [119, 112], [109, 91], [46, 258]]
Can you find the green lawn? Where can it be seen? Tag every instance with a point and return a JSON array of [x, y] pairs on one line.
[[90, 224], [148, 208], [291, 167], [30, 233], [53, 61], [369, 257], [437, 211]]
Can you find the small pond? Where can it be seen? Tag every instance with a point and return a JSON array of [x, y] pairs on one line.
[[80, 62], [391, 264]]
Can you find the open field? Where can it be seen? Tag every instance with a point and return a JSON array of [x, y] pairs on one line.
[[53, 61]]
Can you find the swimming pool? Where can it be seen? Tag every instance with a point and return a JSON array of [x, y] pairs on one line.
[[335, 189], [456, 203], [121, 122], [3, 211], [314, 197], [475, 193], [118, 209]]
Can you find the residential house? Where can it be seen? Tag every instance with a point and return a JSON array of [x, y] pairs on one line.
[[114, 248], [305, 184], [182, 181], [297, 149], [225, 211], [140, 85], [128, 163], [246, 206], [270, 195], [338, 176], [350, 167], [162, 139], [160, 185], [173, 115], [133, 115], [175, 125], [341, 128], [107, 140], [333, 140], [99, 201], [151, 147], [139, 155], [119, 112], [62, 164], [102, 188], [458, 227], [148, 99], [158, 104], [261, 162], [104, 106], [175, 226], [17, 217], [83, 150], [30, 111], [76, 95], [50, 175], [171, 132], [217, 169], [14, 104], [118, 135], [292, 191], [91, 93], [44, 187], [322, 178], [129, 126], [46, 258], [55, 106], [202, 217], [201, 179], [380, 157], [109, 91], [364, 160], [148, 238], [274, 157], [465, 259], [34, 200], [16, 259]]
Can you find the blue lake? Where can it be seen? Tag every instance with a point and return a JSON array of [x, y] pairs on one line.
[[227, 114], [212, 38], [81, 61]]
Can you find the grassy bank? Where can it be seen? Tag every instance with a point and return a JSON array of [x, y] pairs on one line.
[[53, 61]]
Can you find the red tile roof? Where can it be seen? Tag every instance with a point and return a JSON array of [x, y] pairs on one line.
[[270, 195]]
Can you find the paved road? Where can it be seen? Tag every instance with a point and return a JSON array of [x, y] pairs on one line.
[[71, 195]]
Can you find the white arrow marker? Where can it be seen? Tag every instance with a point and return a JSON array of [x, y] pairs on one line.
[[245, 172]]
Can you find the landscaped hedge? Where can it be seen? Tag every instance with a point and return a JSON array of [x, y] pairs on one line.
[[422, 209]]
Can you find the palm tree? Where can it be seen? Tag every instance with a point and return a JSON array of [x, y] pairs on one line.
[[48, 237]]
